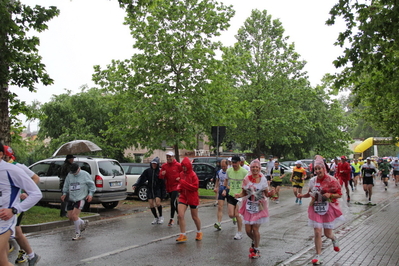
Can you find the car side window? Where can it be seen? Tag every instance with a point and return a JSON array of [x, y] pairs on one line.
[[85, 166], [41, 169], [136, 170], [208, 169], [110, 168]]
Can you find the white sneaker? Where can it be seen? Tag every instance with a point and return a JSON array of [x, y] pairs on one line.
[[155, 221], [317, 260], [160, 220], [238, 236], [77, 237], [277, 201]]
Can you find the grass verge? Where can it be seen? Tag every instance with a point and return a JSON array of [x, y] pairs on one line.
[[38, 215]]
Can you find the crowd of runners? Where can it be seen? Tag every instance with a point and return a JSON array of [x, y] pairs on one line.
[[247, 189]]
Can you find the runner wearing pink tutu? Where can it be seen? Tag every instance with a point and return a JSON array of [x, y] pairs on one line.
[[254, 209], [324, 210]]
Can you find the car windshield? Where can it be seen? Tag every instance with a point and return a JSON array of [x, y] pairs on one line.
[[110, 168]]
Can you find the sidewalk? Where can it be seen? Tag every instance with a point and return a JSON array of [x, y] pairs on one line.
[[370, 239]]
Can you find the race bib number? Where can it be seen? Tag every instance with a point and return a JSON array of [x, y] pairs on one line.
[[74, 186], [321, 208], [252, 206]]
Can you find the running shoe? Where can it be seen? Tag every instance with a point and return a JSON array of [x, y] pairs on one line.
[[34, 260], [255, 254], [238, 236], [198, 237], [386, 188], [234, 220], [84, 225], [218, 226], [296, 200], [160, 220], [348, 199], [336, 245], [181, 238], [300, 202], [77, 237], [317, 260], [277, 201], [155, 221], [21, 257], [171, 222], [11, 248]]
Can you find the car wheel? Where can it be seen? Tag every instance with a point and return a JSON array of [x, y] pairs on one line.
[[210, 185], [142, 193], [110, 205]]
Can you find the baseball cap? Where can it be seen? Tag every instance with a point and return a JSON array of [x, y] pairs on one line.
[[270, 156], [74, 168], [343, 157], [154, 161], [298, 162], [235, 159], [170, 153], [242, 159], [368, 158], [70, 156], [8, 151]]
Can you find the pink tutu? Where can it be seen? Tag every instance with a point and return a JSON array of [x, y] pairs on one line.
[[327, 220]]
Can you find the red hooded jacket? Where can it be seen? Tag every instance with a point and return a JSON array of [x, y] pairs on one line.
[[173, 170], [188, 185], [346, 172]]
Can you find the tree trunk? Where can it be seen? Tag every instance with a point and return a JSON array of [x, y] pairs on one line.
[[5, 136]]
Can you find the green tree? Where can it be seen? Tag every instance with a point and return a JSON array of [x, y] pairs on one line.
[[84, 115], [20, 63], [284, 116], [170, 91], [370, 62]]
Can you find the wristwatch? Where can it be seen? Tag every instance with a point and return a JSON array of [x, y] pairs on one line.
[[14, 211]]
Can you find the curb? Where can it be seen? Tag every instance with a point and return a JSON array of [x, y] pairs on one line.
[[53, 225]]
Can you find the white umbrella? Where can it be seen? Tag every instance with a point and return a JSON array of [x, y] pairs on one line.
[[76, 146]]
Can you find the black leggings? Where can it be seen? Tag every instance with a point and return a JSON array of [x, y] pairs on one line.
[[173, 203]]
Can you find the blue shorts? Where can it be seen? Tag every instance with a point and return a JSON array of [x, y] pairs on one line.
[[220, 196]]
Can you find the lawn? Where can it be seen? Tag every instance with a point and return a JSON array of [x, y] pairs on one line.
[[38, 214]]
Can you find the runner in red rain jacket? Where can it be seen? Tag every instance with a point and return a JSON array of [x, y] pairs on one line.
[[343, 174], [188, 188]]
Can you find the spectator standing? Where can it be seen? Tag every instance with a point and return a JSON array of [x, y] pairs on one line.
[[170, 172], [64, 171]]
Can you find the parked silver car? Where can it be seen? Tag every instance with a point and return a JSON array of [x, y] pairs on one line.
[[107, 174]]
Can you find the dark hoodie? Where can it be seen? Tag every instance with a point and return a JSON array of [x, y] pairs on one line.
[[188, 184], [152, 176]]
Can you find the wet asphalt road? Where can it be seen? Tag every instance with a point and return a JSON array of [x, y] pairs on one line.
[[132, 240]]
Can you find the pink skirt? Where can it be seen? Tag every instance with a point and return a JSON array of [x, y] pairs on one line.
[[258, 216], [328, 220]]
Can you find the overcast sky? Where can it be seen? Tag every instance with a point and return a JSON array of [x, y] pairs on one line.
[[91, 32]]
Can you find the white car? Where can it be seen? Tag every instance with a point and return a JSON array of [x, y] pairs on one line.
[[133, 172]]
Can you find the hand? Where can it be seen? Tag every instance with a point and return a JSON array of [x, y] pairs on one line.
[[327, 195], [224, 193], [23, 196], [299, 196], [178, 179], [163, 172], [134, 188], [63, 198], [6, 214], [215, 190], [89, 198]]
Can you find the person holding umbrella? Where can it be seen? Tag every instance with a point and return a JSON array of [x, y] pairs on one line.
[[65, 169]]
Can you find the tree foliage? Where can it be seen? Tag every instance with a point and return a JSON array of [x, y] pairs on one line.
[[371, 59], [84, 115], [284, 115], [20, 63], [169, 92]]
